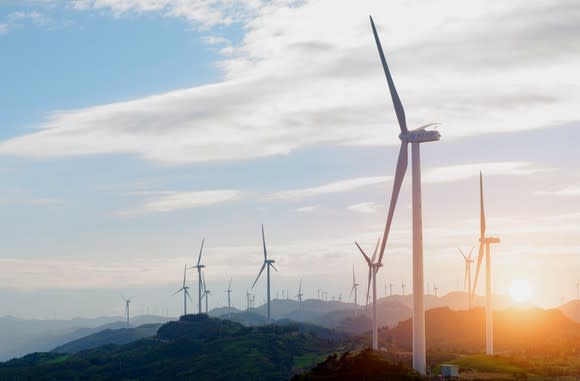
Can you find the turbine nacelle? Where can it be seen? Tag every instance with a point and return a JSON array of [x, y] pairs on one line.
[[421, 135]]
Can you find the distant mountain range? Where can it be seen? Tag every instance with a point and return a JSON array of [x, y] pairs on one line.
[[23, 336]]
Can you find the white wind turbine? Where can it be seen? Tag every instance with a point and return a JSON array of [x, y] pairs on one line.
[[373, 269], [206, 293], [467, 278], [485, 242], [300, 294], [267, 264], [229, 291], [415, 137], [354, 290], [127, 302], [185, 289], [199, 267]]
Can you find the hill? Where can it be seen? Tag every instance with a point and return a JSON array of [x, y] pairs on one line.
[[108, 336], [515, 331], [195, 347], [366, 365], [572, 310]]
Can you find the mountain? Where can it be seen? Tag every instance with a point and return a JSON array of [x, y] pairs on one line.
[[195, 347], [108, 336], [572, 310], [529, 330], [22, 336]]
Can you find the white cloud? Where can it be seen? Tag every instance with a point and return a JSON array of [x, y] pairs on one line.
[[464, 171], [364, 207], [216, 40], [169, 201], [299, 78], [3, 29], [308, 209], [573, 190], [334, 187]]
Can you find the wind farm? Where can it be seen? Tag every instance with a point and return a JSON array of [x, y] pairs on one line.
[[135, 132]]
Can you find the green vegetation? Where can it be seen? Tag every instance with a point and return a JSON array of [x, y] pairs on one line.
[[366, 365], [194, 348]]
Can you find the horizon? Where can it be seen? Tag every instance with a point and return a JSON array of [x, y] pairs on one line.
[[132, 131]]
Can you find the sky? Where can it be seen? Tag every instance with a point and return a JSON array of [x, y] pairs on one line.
[[132, 129]]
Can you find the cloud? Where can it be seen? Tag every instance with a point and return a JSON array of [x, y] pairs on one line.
[[169, 201], [573, 190], [364, 207], [334, 187], [464, 171], [294, 81], [30, 201], [308, 209], [201, 13]]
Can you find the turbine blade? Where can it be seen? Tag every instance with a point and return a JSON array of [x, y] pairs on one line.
[[479, 260], [189, 297], [353, 278], [394, 96], [178, 291], [363, 253], [482, 211], [230, 284], [264, 243], [465, 278], [461, 252], [398, 181], [351, 290], [375, 252], [300, 287], [203, 279], [470, 252], [184, 273], [260, 273], [200, 250]]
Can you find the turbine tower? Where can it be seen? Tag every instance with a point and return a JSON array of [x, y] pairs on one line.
[[467, 278], [199, 267], [415, 137], [355, 290], [390, 288], [229, 291], [267, 264], [127, 302], [185, 289], [485, 242], [373, 269], [403, 287]]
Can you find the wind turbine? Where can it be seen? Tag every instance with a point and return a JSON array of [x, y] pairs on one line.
[[300, 294], [390, 288], [485, 242], [184, 288], [373, 269], [403, 287], [229, 291], [267, 264], [127, 302], [355, 290], [206, 293], [415, 137], [199, 267], [435, 288], [467, 278]]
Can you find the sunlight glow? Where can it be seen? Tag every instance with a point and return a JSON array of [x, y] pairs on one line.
[[520, 290]]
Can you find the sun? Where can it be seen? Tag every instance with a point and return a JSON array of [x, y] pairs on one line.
[[520, 290]]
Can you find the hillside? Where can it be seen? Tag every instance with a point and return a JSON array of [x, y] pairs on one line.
[[515, 331], [195, 347], [366, 365], [108, 336], [572, 310]]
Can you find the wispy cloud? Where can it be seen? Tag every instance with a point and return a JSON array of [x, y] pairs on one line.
[[3, 29], [308, 209], [464, 171], [573, 190], [30, 201], [334, 187], [291, 82], [364, 207], [169, 201]]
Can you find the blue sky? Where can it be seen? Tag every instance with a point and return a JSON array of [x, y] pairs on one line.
[[130, 130]]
